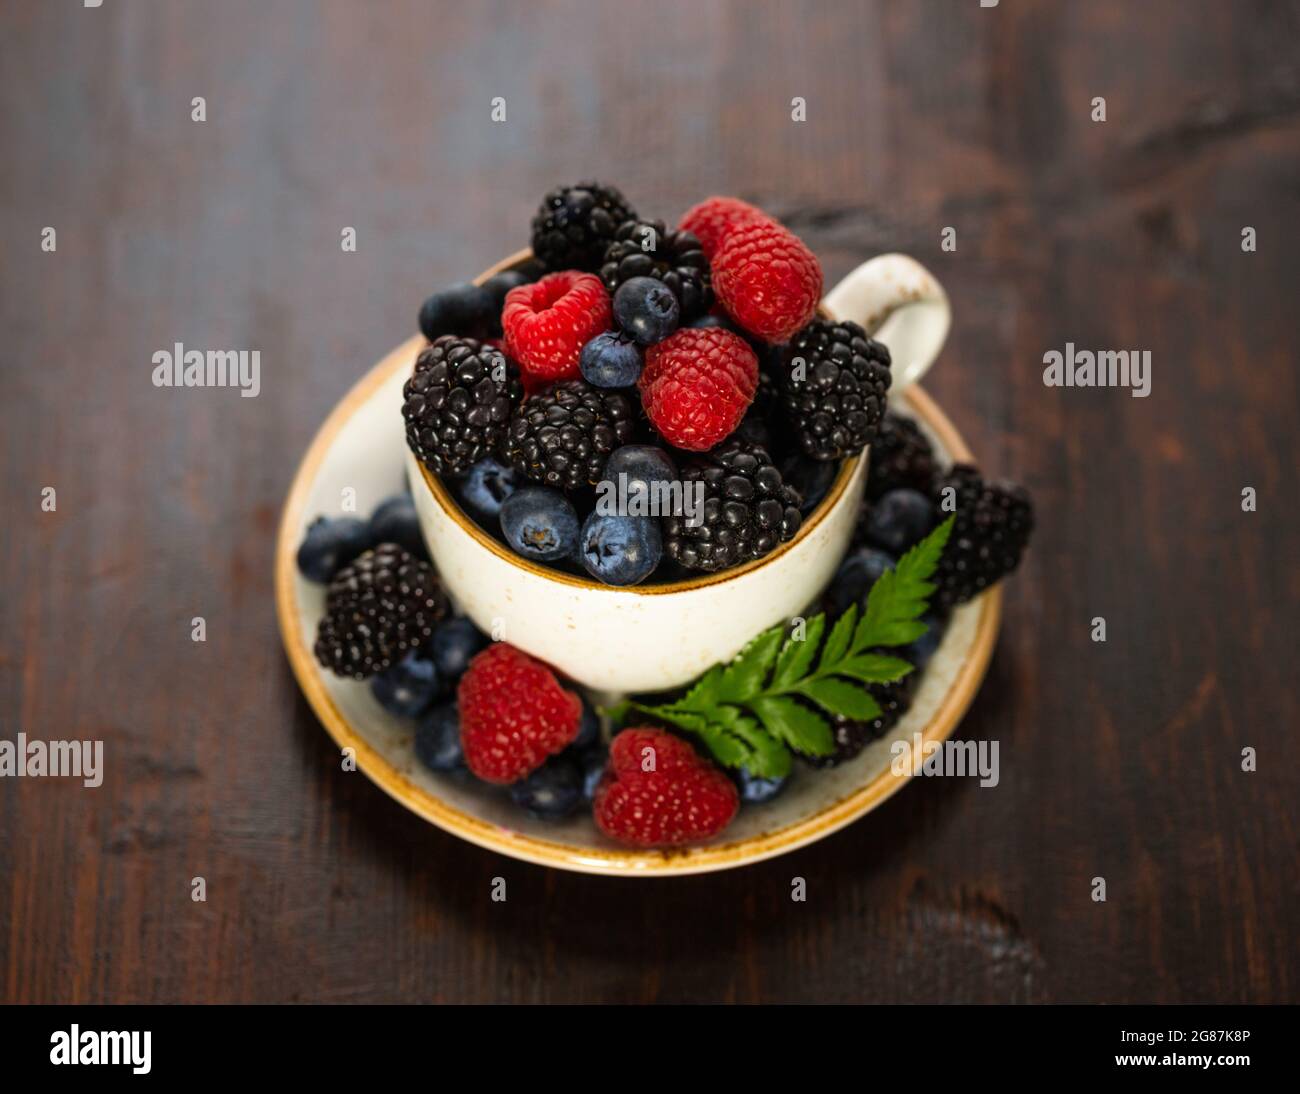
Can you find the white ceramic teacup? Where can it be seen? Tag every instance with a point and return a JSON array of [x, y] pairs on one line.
[[657, 636]]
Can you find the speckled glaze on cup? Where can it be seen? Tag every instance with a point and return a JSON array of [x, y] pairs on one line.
[[656, 636]]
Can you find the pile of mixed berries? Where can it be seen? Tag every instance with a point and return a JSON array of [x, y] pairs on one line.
[[629, 353], [388, 622], [649, 363], [487, 710]]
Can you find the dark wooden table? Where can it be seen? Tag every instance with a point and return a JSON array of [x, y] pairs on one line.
[[1120, 760]]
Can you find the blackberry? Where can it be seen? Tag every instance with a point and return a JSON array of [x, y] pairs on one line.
[[458, 403], [835, 401], [377, 609], [748, 509], [575, 224], [851, 736], [562, 436], [900, 456], [676, 259], [992, 528]]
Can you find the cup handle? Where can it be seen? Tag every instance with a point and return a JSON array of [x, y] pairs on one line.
[[898, 302]]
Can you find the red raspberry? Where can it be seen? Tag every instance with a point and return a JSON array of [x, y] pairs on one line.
[[513, 714], [713, 219], [681, 799], [767, 279], [697, 384], [547, 323]]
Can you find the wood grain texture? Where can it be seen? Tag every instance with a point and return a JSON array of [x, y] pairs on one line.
[[1119, 760]]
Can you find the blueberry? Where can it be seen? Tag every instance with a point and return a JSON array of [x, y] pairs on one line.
[[920, 651], [592, 761], [756, 790], [395, 521], [485, 486], [719, 321], [610, 360], [453, 646], [437, 738], [540, 523], [499, 284], [754, 429], [646, 309], [812, 478], [329, 545], [588, 727], [853, 580], [645, 467], [409, 688], [463, 309], [899, 519], [553, 790], [620, 550]]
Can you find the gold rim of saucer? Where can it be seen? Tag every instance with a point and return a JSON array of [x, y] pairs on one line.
[[612, 860]]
